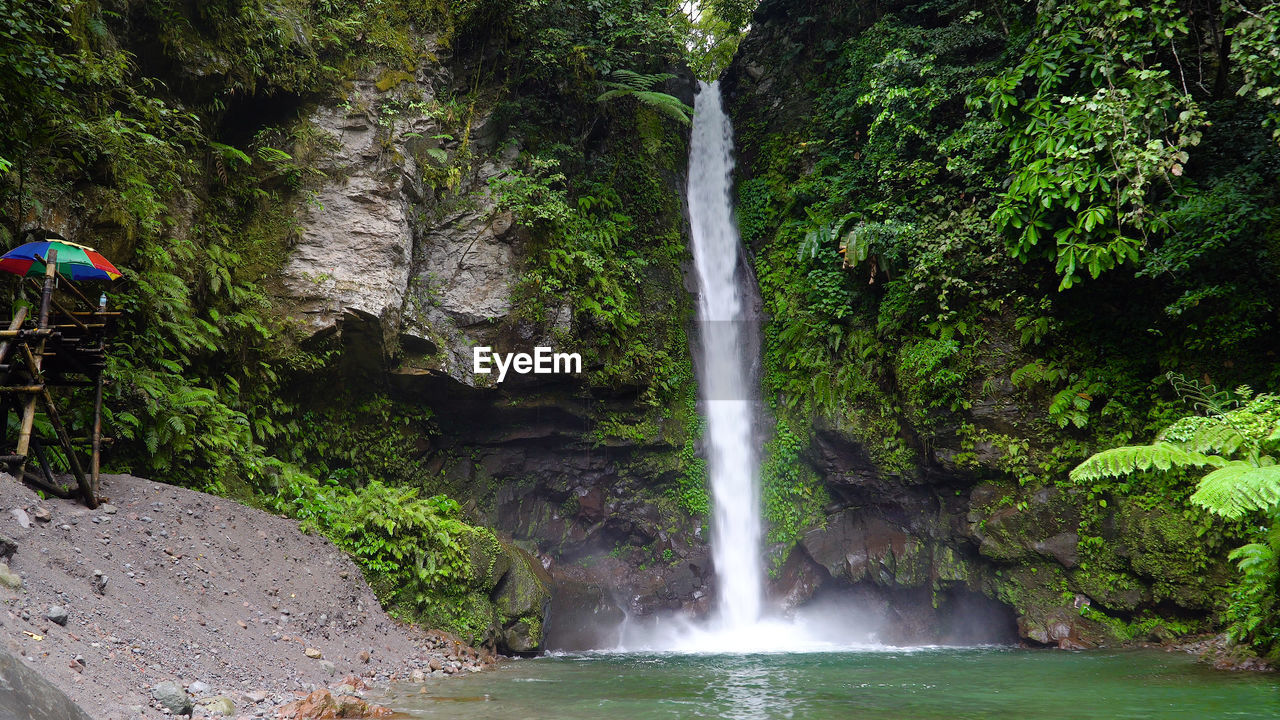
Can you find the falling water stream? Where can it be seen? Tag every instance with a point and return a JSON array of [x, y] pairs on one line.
[[724, 376], [727, 389]]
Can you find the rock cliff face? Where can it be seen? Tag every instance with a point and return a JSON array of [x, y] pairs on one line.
[[405, 260], [401, 250], [953, 524]]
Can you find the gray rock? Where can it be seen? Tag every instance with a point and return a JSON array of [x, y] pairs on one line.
[[172, 696], [198, 688], [21, 517], [107, 508], [327, 667], [41, 514], [7, 548], [25, 694], [56, 614]]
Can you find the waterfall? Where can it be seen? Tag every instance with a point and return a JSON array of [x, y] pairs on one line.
[[739, 623], [724, 378]]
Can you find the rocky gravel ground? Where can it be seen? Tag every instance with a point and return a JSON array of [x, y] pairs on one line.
[[166, 599]]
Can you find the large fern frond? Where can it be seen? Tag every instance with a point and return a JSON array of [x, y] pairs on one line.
[[1121, 461], [1254, 559], [1217, 437], [1238, 488], [624, 83], [632, 80]]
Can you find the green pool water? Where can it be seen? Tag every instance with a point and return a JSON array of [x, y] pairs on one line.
[[922, 684]]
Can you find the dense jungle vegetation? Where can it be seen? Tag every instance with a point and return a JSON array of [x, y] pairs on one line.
[[1051, 205], [1057, 203]]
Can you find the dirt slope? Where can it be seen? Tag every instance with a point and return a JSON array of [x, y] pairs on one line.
[[198, 589]]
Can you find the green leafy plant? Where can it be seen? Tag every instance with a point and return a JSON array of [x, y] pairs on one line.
[[628, 83], [1235, 439]]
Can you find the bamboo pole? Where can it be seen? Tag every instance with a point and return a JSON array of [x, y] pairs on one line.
[[29, 411], [18, 318], [95, 469], [90, 499]]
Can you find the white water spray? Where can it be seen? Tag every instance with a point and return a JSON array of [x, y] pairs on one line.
[[724, 378], [738, 624]]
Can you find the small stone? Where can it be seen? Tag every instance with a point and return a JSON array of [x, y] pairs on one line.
[[417, 676], [41, 514], [56, 614], [328, 668], [107, 508], [173, 697], [198, 688], [218, 706], [364, 656], [434, 664], [7, 548], [313, 653], [8, 578]]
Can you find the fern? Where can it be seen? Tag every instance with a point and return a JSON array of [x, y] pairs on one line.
[[1239, 488], [628, 83], [1121, 461], [1203, 398]]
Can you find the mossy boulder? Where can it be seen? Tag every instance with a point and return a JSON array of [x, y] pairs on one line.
[[1163, 545], [1012, 527]]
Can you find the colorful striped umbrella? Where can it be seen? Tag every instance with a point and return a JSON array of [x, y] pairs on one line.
[[77, 262]]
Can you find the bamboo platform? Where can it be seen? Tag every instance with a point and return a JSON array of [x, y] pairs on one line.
[[63, 346]]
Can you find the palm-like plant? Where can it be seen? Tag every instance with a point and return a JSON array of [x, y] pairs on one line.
[[1233, 438], [628, 83]]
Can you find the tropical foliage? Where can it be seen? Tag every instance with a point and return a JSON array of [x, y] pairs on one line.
[[1235, 437]]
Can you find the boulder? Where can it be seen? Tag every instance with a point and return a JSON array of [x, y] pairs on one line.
[[8, 578], [173, 697], [25, 694]]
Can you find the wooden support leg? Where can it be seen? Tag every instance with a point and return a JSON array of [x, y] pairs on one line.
[[46, 467], [65, 440], [95, 461], [24, 430]]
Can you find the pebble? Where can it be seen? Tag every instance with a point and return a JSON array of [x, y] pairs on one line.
[[313, 653], [56, 614], [107, 508]]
